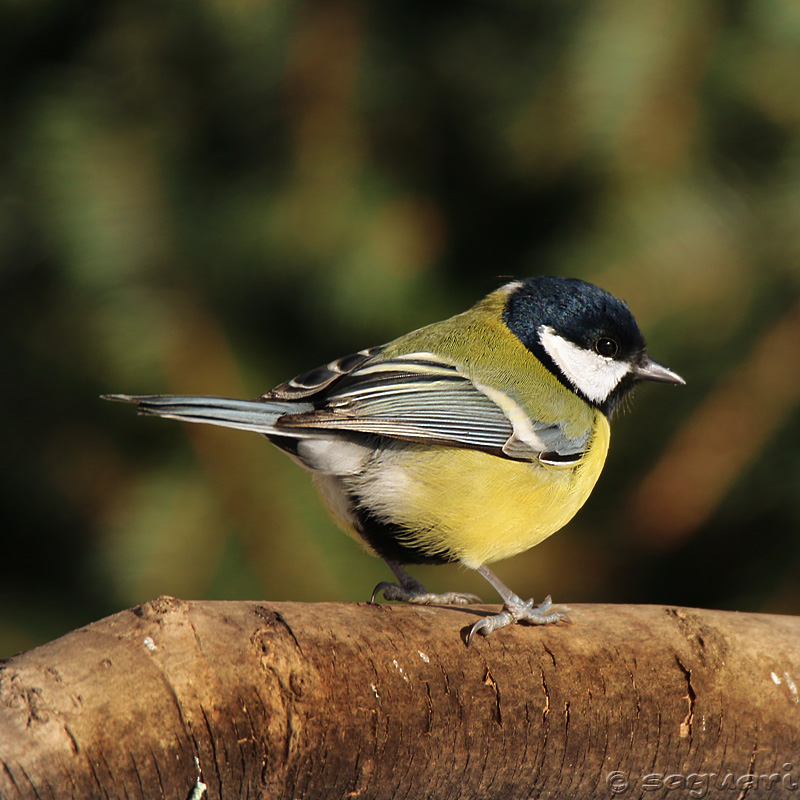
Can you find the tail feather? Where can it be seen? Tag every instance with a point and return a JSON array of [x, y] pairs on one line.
[[258, 416]]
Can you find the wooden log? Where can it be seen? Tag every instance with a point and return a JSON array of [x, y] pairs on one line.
[[183, 699]]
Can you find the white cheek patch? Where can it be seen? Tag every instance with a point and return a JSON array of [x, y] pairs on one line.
[[594, 375]]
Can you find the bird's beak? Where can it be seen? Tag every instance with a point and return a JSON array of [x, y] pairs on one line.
[[650, 370]]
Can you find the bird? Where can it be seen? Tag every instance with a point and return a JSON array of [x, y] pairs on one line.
[[469, 440]]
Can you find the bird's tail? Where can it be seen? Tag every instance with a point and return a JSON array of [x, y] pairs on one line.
[[258, 416]]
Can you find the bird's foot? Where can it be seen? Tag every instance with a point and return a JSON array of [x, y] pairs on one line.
[[517, 610], [414, 592]]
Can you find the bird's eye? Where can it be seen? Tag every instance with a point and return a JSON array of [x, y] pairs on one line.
[[606, 347]]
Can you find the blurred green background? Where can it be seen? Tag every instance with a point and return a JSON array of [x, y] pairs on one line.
[[210, 196]]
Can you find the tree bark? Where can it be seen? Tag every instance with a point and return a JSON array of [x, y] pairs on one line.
[[291, 700]]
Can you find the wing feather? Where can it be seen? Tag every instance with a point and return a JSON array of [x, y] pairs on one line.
[[418, 397]]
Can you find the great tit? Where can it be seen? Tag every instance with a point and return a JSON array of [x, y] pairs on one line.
[[469, 440]]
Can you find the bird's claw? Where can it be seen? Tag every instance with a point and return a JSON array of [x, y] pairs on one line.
[[523, 611], [385, 587], [417, 594]]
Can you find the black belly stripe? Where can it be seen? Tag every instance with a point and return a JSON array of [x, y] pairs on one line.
[[386, 539]]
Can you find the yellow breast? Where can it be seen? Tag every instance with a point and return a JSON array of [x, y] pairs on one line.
[[476, 507]]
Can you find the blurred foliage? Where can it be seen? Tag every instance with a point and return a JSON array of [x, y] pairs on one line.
[[211, 196]]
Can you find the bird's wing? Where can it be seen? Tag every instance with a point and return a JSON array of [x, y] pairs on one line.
[[421, 398]]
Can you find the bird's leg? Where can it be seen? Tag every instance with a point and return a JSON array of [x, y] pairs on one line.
[[410, 590], [515, 609]]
